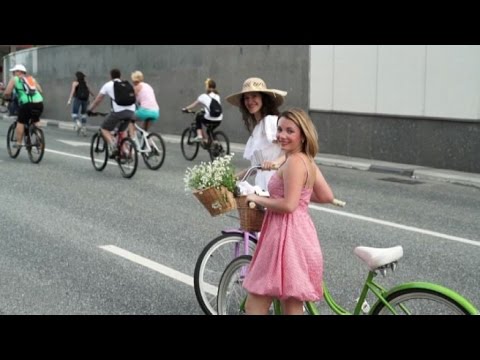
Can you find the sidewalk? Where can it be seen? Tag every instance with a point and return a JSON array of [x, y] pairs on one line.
[[412, 171]]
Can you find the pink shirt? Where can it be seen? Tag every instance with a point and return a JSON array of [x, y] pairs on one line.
[[146, 97]]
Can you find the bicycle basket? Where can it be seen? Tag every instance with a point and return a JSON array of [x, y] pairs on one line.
[[250, 219], [216, 201]]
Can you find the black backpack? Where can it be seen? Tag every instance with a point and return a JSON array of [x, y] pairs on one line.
[[82, 92], [215, 108], [123, 93]]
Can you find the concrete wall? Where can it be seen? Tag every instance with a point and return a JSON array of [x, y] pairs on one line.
[[176, 72], [446, 82], [413, 80], [438, 143]]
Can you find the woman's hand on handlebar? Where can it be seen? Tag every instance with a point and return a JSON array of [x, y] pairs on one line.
[[269, 165]]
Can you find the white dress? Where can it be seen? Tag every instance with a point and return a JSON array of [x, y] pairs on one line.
[[263, 135]]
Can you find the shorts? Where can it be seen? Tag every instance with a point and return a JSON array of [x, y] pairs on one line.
[[143, 114], [119, 120], [29, 111]]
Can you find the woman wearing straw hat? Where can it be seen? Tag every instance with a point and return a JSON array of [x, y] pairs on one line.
[[259, 108]]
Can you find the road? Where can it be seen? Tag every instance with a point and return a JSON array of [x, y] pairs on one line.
[[77, 241]]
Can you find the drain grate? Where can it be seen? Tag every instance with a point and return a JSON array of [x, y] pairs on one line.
[[402, 181]]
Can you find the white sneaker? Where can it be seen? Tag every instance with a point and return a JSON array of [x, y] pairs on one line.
[[198, 139], [84, 130]]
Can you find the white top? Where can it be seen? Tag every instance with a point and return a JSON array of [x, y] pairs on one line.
[[205, 100], [107, 89], [263, 135]]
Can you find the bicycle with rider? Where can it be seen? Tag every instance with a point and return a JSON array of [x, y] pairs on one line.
[[120, 116]]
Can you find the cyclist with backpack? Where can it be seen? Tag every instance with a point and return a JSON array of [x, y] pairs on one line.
[[30, 99], [122, 97], [80, 94], [212, 108]]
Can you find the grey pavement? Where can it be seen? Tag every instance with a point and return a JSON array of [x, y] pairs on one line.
[[412, 171]]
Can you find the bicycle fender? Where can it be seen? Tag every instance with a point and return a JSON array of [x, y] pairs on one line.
[[434, 287]]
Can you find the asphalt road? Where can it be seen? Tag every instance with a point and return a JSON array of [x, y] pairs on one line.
[[77, 241]]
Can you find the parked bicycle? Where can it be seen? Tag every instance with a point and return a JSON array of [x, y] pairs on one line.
[[151, 147], [218, 253], [413, 298], [34, 142], [217, 143], [127, 157]]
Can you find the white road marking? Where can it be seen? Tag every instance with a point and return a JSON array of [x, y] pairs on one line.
[[398, 226], [75, 156], [75, 143], [343, 213], [162, 269]]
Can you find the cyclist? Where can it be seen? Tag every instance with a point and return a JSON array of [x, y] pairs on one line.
[[80, 93], [259, 108], [30, 105], [118, 114], [204, 117], [148, 110]]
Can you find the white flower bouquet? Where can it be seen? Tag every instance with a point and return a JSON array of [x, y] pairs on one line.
[[213, 184]]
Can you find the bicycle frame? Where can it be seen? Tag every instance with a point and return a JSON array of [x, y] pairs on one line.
[[382, 294], [144, 135]]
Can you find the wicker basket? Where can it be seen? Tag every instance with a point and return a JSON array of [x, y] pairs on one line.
[[250, 219], [216, 201]]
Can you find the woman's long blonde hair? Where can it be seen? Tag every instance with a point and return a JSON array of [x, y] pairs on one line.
[[309, 134]]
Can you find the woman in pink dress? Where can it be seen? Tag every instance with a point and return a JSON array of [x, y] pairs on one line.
[[288, 263]]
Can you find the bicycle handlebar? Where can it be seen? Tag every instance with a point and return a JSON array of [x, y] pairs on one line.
[[255, 167], [335, 202]]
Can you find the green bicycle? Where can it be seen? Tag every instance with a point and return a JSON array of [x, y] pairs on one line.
[[413, 298]]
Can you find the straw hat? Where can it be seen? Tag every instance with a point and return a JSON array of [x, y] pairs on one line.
[[257, 85]]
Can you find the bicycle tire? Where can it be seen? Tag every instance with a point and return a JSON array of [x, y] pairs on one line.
[[36, 146], [187, 144], [208, 270], [419, 301], [231, 294], [158, 151], [11, 137], [221, 148], [99, 146], [128, 158]]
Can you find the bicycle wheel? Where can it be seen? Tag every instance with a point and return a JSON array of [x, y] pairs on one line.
[[11, 139], [154, 159], [36, 145], [212, 262], [231, 294], [189, 147], [99, 152], [220, 146], [418, 301], [128, 158]]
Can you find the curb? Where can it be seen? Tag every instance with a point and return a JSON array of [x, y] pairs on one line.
[[408, 170]]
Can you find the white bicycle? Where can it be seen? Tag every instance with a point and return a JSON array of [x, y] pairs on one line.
[[152, 148]]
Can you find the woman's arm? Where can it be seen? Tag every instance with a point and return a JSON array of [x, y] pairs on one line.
[[322, 193], [137, 88], [74, 85], [192, 105], [9, 89], [294, 175]]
